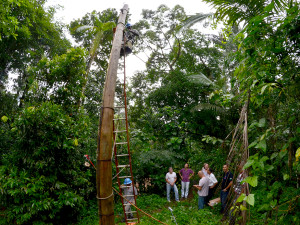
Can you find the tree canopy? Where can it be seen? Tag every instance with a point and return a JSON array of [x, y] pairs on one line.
[[183, 108]]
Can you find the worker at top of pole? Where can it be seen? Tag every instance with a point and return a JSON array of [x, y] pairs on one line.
[[129, 38]]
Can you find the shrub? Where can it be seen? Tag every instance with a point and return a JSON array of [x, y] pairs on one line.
[[42, 176]]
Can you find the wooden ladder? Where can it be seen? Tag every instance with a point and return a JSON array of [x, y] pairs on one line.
[[121, 146]]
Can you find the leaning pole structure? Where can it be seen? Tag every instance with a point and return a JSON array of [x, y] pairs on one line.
[[105, 131]]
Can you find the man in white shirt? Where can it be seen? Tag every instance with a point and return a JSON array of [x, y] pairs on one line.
[[171, 179], [212, 184], [203, 188]]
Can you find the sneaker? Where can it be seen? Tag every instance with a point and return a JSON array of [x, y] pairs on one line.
[[169, 201]]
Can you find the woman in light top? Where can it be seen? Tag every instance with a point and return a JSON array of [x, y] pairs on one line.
[[212, 184], [204, 169]]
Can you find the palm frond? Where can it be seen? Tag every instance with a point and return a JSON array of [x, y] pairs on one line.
[[190, 21], [108, 26], [209, 107], [200, 79], [236, 11], [84, 27]]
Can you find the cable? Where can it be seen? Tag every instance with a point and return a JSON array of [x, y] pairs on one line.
[[139, 58]]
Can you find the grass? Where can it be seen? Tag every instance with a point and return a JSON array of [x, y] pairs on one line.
[[185, 212]]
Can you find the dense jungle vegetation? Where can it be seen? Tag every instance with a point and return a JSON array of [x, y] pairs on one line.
[[182, 107]]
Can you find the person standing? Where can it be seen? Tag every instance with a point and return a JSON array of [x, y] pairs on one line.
[[226, 184], [204, 169], [128, 191], [212, 184], [171, 179], [202, 189], [185, 173], [239, 187]]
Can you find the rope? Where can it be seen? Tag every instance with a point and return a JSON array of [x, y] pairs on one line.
[[139, 208], [118, 173], [112, 193], [103, 107], [88, 158], [122, 23]]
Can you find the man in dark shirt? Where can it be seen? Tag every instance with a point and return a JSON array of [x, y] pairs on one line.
[[226, 184]]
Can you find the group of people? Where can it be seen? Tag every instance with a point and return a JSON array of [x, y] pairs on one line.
[[206, 187]]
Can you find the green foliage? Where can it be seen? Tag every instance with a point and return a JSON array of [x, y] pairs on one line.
[[175, 115], [94, 33], [42, 176], [27, 33], [59, 80], [185, 213], [249, 198], [242, 10]]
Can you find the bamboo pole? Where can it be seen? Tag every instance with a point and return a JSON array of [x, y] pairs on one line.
[[105, 131]]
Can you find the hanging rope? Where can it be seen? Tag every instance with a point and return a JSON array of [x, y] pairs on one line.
[[138, 208]]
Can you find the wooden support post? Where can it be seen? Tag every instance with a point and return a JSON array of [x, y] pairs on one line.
[[105, 131]]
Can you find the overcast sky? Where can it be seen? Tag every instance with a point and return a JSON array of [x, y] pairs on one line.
[[74, 9]]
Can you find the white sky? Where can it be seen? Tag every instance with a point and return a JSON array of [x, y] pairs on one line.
[[74, 9]]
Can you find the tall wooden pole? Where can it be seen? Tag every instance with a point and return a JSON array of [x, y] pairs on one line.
[[105, 131]]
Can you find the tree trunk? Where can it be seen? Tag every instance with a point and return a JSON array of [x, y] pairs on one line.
[[105, 132]]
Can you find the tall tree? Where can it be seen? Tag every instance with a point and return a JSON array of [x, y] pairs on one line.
[[29, 35]]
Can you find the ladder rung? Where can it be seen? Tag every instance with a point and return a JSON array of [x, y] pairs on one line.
[[121, 143], [119, 131], [122, 177], [133, 219], [120, 119], [130, 212], [123, 155], [128, 195], [120, 166]]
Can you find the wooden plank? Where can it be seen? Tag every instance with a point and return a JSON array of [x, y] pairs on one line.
[[105, 131]]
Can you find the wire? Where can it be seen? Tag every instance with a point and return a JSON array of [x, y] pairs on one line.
[[139, 58]]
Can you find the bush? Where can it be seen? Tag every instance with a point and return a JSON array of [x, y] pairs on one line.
[[42, 176]]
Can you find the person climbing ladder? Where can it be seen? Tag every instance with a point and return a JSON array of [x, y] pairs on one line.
[[128, 191], [129, 39]]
